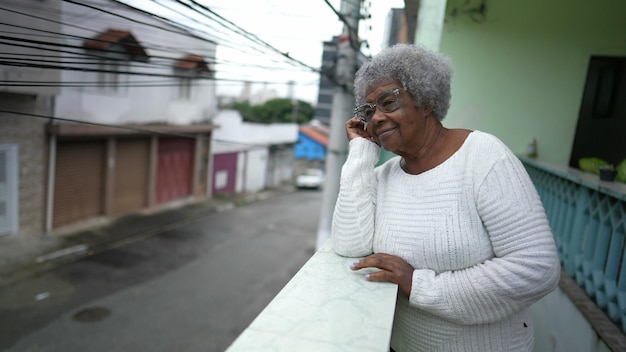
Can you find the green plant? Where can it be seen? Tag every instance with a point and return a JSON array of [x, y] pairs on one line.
[[621, 172], [592, 165]]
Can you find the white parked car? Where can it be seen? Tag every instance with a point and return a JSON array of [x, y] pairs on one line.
[[311, 178]]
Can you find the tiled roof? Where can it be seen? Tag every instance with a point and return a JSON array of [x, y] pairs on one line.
[[192, 62], [106, 40], [315, 134]]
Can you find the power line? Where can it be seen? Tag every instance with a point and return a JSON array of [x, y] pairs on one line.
[[204, 24], [247, 34], [168, 83], [65, 35], [92, 55], [128, 128], [76, 26], [72, 68], [108, 12], [154, 15], [134, 20]]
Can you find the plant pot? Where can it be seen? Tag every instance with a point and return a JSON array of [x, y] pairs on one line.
[[607, 174]]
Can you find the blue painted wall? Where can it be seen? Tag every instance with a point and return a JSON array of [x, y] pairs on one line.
[[308, 148]]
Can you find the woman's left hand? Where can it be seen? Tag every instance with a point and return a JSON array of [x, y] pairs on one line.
[[394, 269]]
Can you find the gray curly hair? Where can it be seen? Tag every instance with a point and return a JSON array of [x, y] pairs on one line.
[[425, 74]]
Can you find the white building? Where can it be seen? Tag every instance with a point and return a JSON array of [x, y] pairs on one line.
[[248, 157]]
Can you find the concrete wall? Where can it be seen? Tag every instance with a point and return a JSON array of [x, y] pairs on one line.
[[232, 128], [255, 169], [281, 165], [520, 72]]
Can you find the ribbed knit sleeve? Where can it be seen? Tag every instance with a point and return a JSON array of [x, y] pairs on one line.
[[524, 266], [352, 227]]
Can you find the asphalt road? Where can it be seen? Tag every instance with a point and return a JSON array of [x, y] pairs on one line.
[[192, 288]]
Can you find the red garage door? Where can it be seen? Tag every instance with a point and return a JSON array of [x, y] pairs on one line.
[[175, 165]]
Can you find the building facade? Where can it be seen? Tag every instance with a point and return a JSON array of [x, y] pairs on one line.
[[102, 120]]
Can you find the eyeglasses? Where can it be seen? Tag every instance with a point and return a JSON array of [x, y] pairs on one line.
[[389, 101]]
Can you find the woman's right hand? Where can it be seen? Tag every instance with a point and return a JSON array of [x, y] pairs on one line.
[[354, 129]]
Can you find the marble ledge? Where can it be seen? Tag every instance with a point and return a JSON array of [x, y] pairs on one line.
[[324, 307]]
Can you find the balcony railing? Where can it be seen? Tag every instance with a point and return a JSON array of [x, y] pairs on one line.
[[589, 224]]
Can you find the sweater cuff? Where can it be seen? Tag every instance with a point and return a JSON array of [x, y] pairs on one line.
[[362, 149], [423, 289]]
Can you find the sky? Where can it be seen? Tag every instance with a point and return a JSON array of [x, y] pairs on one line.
[[298, 27]]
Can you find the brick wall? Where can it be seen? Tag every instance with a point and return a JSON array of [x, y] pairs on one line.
[[28, 133]]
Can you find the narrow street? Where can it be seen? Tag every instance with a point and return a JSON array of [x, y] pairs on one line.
[[193, 288]]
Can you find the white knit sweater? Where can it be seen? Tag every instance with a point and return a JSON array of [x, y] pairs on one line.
[[473, 228]]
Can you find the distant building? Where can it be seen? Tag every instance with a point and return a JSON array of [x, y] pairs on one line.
[[311, 149], [326, 86], [247, 157]]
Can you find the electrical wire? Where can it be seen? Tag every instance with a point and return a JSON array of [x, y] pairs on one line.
[[84, 28], [94, 54], [57, 35], [129, 128], [186, 33], [167, 83], [67, 65], [186, 5], [37, 44], [223, 40], [247, 34], [169, 49]]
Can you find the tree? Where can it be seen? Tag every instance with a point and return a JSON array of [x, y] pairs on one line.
[[280, 110], [245, 109]]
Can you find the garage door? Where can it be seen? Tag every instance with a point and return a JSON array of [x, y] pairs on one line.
[[175, 164], [79, 181], [131, 175]]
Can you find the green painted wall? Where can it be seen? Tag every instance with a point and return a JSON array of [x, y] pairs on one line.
[[520, 73]]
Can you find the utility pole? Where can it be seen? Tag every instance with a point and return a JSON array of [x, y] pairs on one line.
[[342, 110]]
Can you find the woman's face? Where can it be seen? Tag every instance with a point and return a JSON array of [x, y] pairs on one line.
[[399, 131]]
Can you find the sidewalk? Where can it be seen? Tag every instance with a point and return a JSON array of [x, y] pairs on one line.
[[24, 256]]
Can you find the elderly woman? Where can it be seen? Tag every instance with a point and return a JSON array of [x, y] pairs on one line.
[[453, 219]]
